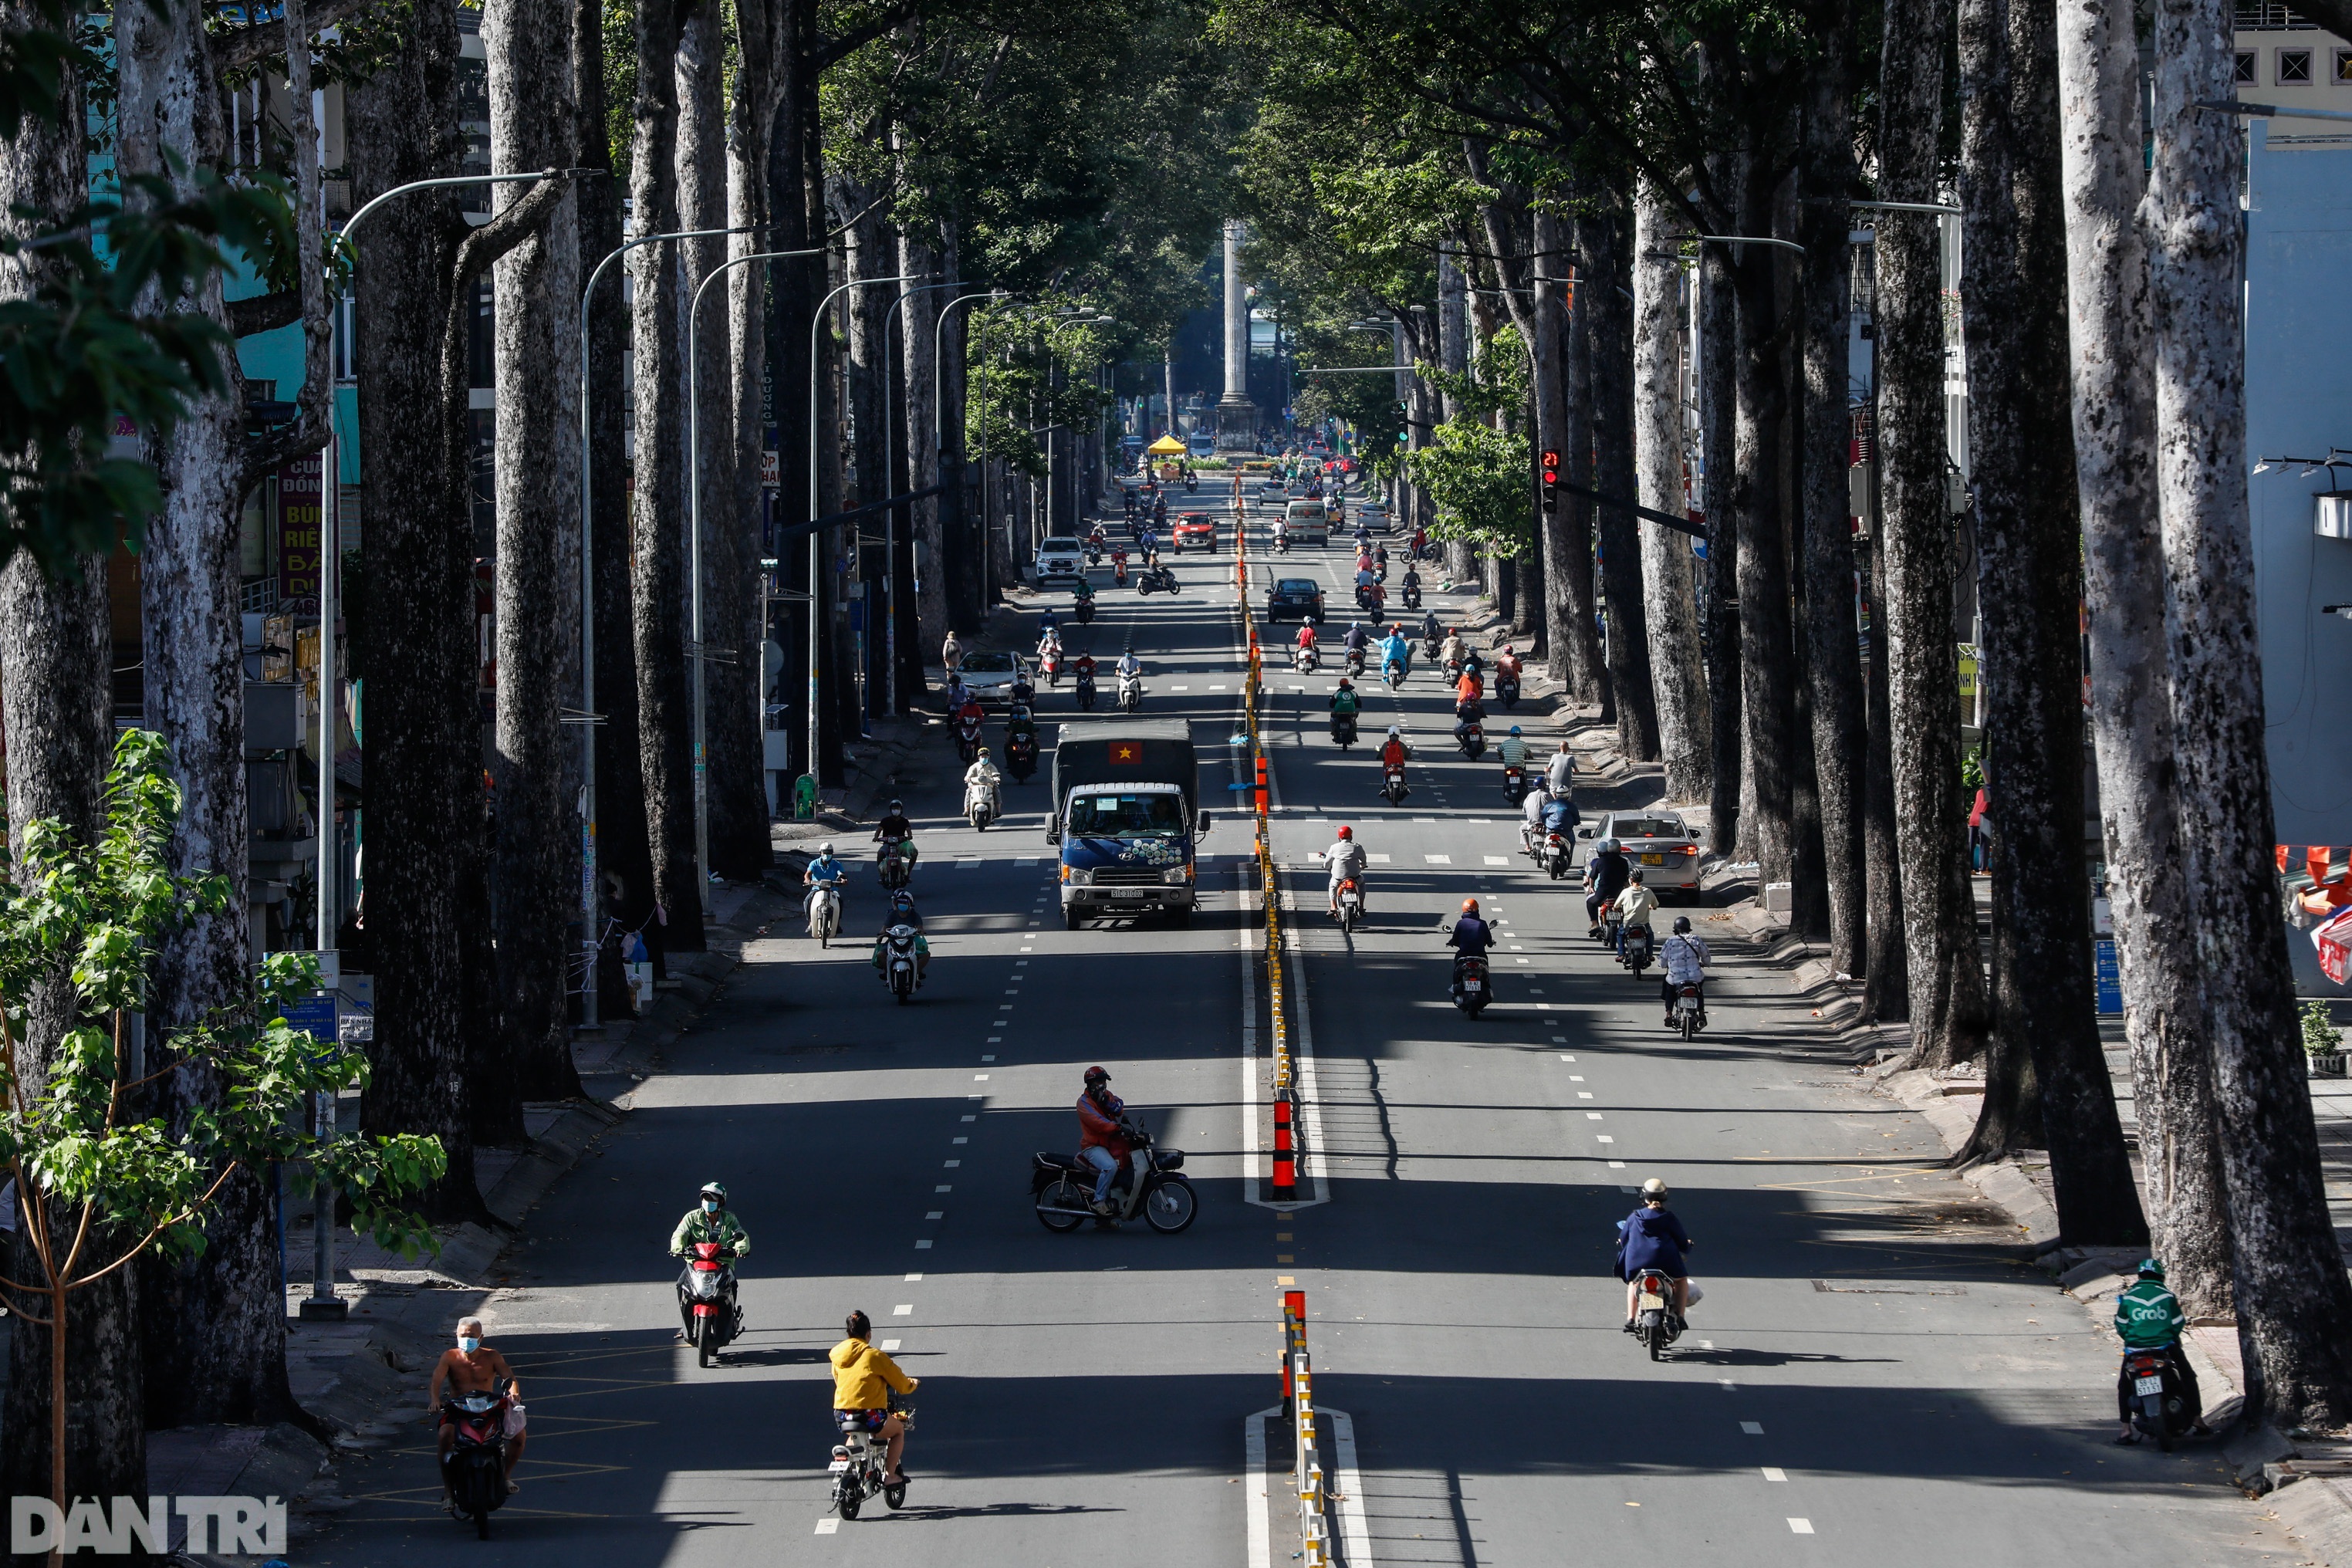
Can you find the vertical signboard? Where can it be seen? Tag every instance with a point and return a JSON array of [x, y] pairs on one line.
[[301, 533]]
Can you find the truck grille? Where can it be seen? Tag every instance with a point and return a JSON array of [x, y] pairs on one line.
[[1125, 876]]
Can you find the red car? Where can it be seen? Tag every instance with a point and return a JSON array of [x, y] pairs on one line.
[[1193, 528]]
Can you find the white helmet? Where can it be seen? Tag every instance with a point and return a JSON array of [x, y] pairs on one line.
[[825, 848], [1392, 730]]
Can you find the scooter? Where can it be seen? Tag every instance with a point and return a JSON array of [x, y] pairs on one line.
[[1610, 921], [1150, 1182], [1556, 856], [1355, 664], [1020, 757], [1636, 956], [1393, 674], [825, 913], [980, 808], [861, 1459], [1130, 693], [1514, 782], [1052, 661], [1431, 647], [1085, 690], [1118, 569], [1412, 590], [895, 867], [967, 740], [1084, 612], [707, 1290], [1472, 984], [1351, 905], [1343, 730], [1306, 659], [1655, 1322], [899, 962], [1474, 741], [2160, 1405], [1367, 596], [1506, 690], [1393, 783], [1282, 544], [475, 1469]]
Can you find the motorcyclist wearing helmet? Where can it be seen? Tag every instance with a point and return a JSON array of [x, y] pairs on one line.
[[1346, 859], [1432, 629], [1634, 906], [823, 871], [982, 775], [1305, 634], [2149, 1318], [1396, 654], [882, 940], [970, 716], [895, 828], [1393, 755], [1451, 650], [1103, 1140], [1513, 750], [902, 910], [708, 1220], [1605, 876], [1018, 724], [1506, 665], [1652, 1237], [1346, 699], [1358, 640], [1685, 959], [1469, 937]]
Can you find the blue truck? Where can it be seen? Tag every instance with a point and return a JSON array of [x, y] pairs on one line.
[[1128, 819]]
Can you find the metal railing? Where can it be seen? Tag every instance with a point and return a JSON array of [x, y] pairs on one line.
[[1298, 1406]]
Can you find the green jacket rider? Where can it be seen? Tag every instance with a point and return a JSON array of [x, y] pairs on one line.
[[711, 1222]]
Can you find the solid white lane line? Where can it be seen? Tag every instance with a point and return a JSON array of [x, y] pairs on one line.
[[1354, 1533], [1254, 1477]]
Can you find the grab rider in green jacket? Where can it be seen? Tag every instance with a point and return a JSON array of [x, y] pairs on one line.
[[707, 1221], [2148, 1317]]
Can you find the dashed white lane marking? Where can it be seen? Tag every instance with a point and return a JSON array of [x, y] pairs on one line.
[[903, 1310], [968, 1119], [1498, 860], [1180, 689], [914, 1279], [1379, 859], [889, 1347], [952, 1164], [1564, 1056], [1614, 1164], [1484, 822], [923, 1245], [980, 1078], [943, 1188], [1753, 1428], [1727, 1385], [1561, 1041], [1574, 1076], [1592, 1116], [936, 1214], [1801, 1527], [968, 863], [828, 1524], [1543, 1006], [1013, 991], [1424, 819], [993, 1040], [1518, 960], [1602, 1138], [1775, 1473], [953, 1141], [1031, 861], [1439, 859], [1583, 1093]]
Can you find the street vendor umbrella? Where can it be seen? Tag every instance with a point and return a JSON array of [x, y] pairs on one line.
[[2334, 941], [1167, 447]]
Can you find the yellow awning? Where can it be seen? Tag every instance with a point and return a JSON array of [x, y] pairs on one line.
[[1168, 446]]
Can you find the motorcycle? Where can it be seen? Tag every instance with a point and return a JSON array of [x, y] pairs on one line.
[[1636, 956], [1085, 611], [1367, 596], [1094, 552], [861, 1459], [1474, 741], [1453, 670], [1343, 730], [1472, 987], [1411, 591], [707, 1290], [1610, 921], [1306, 659], [1282, 544], [1690, 1011], [1393, 783], [1355, 664], [1130, 693], [895, 867], [1020, 757], [899, 962], [967, 740], [1158, 579], [824, 914], [1514, 783], [2160, 1404], [1086, 691], [1556, 853], [1506, 690], [1393, 673], [1052, 661], [1654, 1322], [1351, 905], [1118, 570], [980, 806], [1150, 1182], [1431, 647], [475, 1469]]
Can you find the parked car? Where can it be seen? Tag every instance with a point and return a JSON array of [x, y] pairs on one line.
[[1193, 528], [991, 672], [1660, 842], [1293, 599], [1059, 560]]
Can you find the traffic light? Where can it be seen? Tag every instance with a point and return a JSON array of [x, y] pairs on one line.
[[1551, 479]]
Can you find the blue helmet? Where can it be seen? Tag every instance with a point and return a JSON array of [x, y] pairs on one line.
[[1515, 729]]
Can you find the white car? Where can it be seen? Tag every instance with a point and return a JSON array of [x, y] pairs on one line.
[[1373, 518], [1059, 560], [991, 672], [1660, 843]]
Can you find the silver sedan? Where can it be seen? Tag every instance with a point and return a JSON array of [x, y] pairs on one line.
[[1660, 843]]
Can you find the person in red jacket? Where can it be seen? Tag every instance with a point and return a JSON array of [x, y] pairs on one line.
[[1103, 1142]]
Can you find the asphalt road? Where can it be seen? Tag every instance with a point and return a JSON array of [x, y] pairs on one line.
[[1871, 1376]]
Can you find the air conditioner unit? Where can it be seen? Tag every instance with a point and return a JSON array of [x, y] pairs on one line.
[[2331, 514]]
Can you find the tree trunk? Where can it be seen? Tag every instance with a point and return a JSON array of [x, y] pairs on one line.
[[417, 539], [2294, 1304], [732, 496], [1833, 665], [1718, 399], [55, 690], [657, 578], [2114, 409], [1946, 976], [963, 547], [1602, 236], [1678, 677], [535, 764], [1760, 436], [919, 525], [1886, 983], [623, 853]]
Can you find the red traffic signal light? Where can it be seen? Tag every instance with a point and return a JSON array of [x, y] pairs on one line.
[[1551, 479]]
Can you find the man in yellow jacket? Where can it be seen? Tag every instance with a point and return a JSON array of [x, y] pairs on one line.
[[863, 1381]]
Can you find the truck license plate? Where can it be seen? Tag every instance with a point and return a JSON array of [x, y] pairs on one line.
[[1130, 893], [2147, 1384]]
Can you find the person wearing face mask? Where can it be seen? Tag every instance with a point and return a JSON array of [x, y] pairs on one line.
[[708, 1221], [475, 1368]]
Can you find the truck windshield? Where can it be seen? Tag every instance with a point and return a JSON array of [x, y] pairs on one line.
[[1126, 816]]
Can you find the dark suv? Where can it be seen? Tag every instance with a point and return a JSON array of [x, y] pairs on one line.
[[1293, 599]]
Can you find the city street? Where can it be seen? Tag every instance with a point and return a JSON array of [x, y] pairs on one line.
[[1875, 1374]]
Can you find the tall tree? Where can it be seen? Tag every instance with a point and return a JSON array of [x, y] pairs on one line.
[[1717, 400], [2294, 1304], [535, 313], [2113, 408], [1602, 243], [1946, 976], [1677, 676]]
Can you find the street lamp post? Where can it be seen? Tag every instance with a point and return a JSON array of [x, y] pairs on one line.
[[817, 595], [591, 909], [693, 556], [323, 1302]]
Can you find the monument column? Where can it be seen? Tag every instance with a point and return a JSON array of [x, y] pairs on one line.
[[1236, 416]]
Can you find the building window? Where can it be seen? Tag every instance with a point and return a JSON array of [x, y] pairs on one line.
[[2344, 64], [2293, 67], [2245, 76]]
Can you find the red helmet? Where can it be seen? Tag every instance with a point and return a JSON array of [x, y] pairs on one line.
[[1096, 1076], [1469, 906], [1346, 833]]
